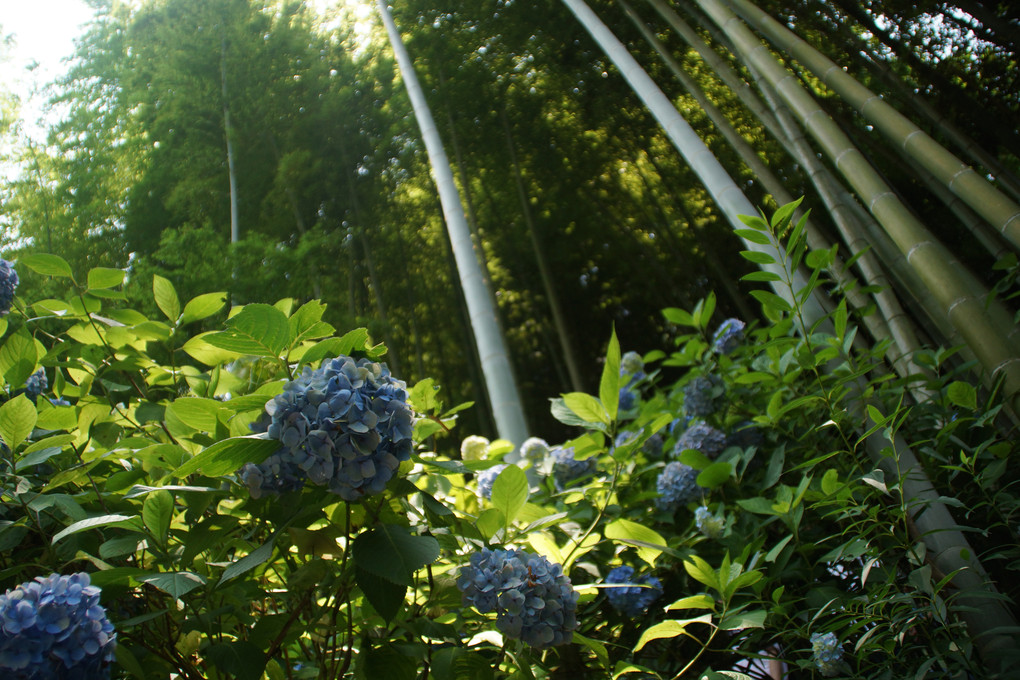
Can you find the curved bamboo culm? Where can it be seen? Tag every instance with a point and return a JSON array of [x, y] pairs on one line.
[[727, 196], [999, 210], [984, 615], [957, 290], [902, 346], [502, 387]]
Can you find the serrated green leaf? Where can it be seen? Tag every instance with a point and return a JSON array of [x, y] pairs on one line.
[[228, 455], [638, 535], [203, 306], [609, 385], [670, 628], [208, 354], [384, 595], [586, 407], [158, 513], [258, 329], [17, 420], [166, 297], [175, 584], [393, 553], [18, 357], [248, 562], [962, 394], [105, 277], [510, 492], [46, 264], [90, 523]]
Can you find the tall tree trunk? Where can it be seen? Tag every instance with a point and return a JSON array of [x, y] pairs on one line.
[[499, 379], [562, 332]]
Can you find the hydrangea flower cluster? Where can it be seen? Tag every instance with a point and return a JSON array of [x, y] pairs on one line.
[[532, 597], [677, 486], [632, 600], [631, 364], [566, 468], [703, 396], [473, 447], [54, 627], [709, 524], [36, 384], [486, 478], [346, 425], [702, 437], [827, 653], [535, 450], [628, 397], [728, 336], [8, 284]]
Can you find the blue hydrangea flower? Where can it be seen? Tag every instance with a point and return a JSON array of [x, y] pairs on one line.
[[677, 486], [486, 478], [346, 426], [628, 398], [54, 627], [631, 364], [703, 396], [702, 437], [8, 284], [533, 599], [709, 524], [567, 469], [535, 450], [36, 384], [632, 600], [827, 653], [473, 447], [728, 336], [679, 425]]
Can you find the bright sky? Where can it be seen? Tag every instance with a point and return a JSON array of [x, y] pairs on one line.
[[44, 33]]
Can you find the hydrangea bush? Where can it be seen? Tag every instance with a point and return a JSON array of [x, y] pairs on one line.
[[252, 495]]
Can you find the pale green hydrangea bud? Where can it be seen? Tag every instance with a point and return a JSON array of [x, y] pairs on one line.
[[474, 448]]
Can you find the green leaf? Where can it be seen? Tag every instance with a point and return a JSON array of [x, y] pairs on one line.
[[754, 236], [741, 620], [157, 513], [258, 329], [17, 419], [679, 317], [46, 264], [638, 535], [384, 595], [510, 492], [597, 648], [586, 407], [423, 396], [771, 300], [166, 297], [701, 571], [198, 348], [392, 552], [90, 523], [248, 562], [562, 413], [18, 357], [203, 306], [238, 659], [198, 412], [783, 214], [757, 258], [609, 385], [105, 277], [228, 455], [693, 602], [670, 628], [761, 276], [962, 394], [489, 522], [175, 584], [715, 475]]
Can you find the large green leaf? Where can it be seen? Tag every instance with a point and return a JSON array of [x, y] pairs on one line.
[[46, 264], [670, 628], [510, 492], [586, 407], [383, 594], [105, 277], [166, 297], [609, 385], [197, 412], [17, 419], [644, 539], [392, 552], [18, 357], [258, 329], [158, 513], [226, 456], [248, 562], [237, 659], [203, 306], [175, 584], [91, 523]]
